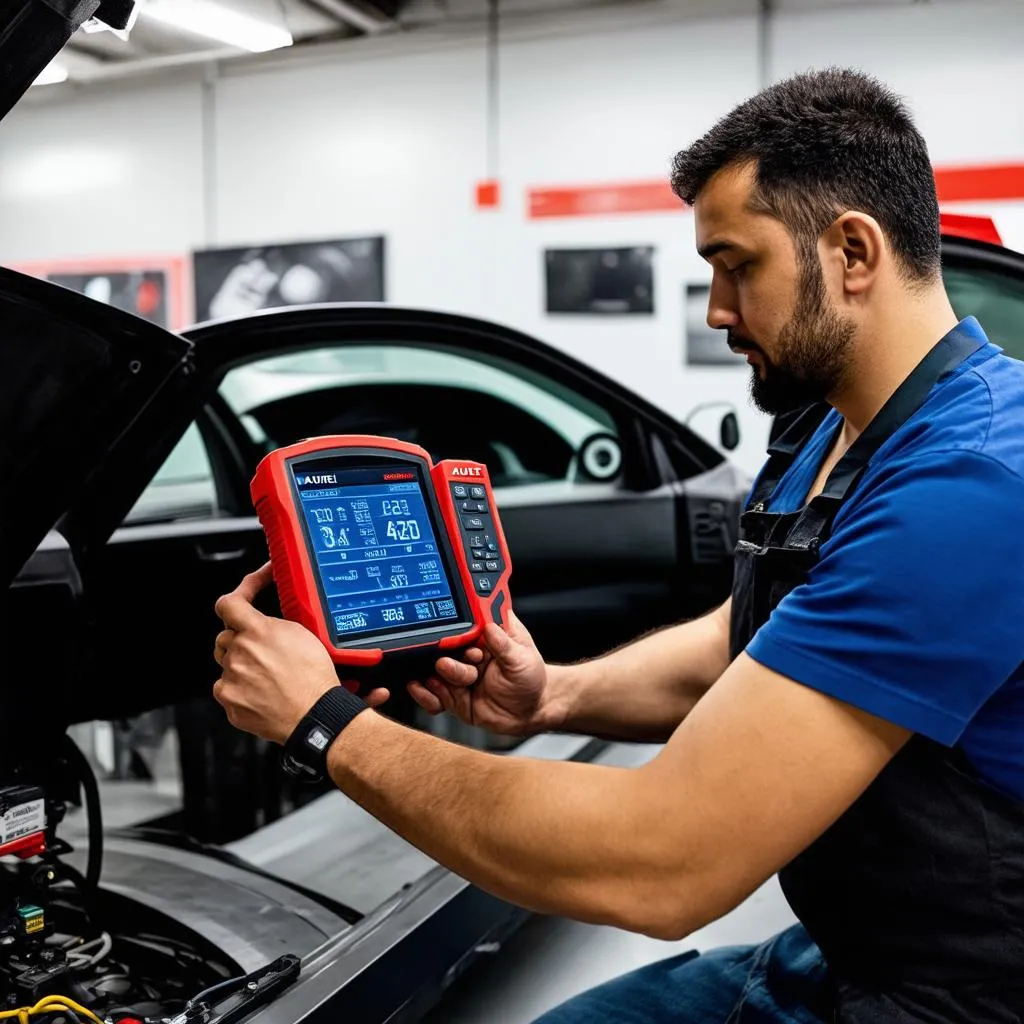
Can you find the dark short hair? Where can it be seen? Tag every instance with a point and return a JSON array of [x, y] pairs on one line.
[[823, 143]]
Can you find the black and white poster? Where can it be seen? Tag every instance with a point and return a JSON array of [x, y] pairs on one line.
[[600, 281], [234, 282], [703, 345]]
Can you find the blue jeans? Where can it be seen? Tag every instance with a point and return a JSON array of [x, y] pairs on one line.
[[781, 981]]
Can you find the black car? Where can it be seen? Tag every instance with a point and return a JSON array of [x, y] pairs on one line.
[[126, 454]]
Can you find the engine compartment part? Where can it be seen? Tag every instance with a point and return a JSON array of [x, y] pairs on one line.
[[92, 953]]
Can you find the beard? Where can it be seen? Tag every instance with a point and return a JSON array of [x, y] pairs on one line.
[[813, 347]]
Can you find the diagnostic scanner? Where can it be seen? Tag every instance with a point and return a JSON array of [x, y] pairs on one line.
[[389, 559]]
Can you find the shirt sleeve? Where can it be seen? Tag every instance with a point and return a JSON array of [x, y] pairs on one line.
[[915, 612]]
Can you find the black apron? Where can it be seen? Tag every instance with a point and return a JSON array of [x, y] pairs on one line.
[[915, 896]]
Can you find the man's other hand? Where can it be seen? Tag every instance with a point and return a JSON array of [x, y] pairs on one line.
[[501, 685]]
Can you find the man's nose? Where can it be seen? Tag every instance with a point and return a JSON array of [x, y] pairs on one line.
[[721, 311]]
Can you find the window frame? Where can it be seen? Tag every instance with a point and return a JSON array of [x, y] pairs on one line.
[[966, 254]]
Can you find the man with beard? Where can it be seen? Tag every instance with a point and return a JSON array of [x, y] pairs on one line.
[[853, 718]]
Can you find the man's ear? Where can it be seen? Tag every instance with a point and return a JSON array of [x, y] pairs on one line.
[[856, 246]]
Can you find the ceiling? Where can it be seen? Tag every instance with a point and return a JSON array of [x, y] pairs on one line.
[[153, 44]]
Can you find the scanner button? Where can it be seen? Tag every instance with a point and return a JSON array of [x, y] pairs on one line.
[[460, 490], [484, 584], [493, 566], [472, 523], [478, 492]]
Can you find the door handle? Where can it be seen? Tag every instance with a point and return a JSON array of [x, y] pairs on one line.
[[207, 555]]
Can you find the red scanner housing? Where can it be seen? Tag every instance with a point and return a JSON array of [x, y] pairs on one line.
[[360, 482]]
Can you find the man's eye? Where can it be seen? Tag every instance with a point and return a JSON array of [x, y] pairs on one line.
[[740, 269]]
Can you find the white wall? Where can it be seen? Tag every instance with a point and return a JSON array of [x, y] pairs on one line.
[[389, 136], [103, 173]]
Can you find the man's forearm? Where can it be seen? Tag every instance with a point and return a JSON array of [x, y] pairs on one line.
[[562, 838], [642, 691]]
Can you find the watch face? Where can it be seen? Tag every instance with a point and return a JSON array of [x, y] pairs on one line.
[[317, 739]]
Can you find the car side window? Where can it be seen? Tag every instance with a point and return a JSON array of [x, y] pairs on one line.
[[524, 428], [183, 487], [995, 298]]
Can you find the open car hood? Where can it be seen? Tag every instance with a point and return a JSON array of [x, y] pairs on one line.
[[75, 378], [33, 32]]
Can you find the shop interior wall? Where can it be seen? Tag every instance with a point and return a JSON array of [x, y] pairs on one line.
[[389, 137]]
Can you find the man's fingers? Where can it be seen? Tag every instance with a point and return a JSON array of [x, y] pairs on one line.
[[237, 613], [517, 630], [456, 672], [499, 643], [236, 609], [444, 694], [375, 698], [425, 698], [256, 581], [473, 655]]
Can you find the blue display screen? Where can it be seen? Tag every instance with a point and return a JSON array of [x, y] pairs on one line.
[[380, 564]]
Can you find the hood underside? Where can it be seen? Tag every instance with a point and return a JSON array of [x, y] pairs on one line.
[[33, 32]]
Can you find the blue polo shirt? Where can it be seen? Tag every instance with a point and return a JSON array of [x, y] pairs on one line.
[[915, 612]]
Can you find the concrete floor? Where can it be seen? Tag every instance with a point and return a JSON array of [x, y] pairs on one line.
[[550, 959]]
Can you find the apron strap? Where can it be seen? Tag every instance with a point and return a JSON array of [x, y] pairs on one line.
[[942, 360], [784, 449], [816, 522]]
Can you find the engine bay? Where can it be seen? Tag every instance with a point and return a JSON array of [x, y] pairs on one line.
[[68, 945], [66, 942]]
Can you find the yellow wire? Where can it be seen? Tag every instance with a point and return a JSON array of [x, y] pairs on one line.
[[49, 1004]]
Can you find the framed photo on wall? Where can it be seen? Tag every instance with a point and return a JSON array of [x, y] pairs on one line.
[[703, 345], [233, 282], [600, 281], [151, 287]]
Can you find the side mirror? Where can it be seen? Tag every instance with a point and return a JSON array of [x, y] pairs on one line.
[[600, 457], [730, 432]]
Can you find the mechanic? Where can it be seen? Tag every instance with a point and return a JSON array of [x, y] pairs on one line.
[[853, 718]]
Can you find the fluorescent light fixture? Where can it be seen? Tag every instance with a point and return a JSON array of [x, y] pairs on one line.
[[52, 74], [215, 21]]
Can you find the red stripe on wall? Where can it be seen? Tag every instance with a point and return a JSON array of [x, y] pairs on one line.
[[954, 184], [969, 184], [603, 200]]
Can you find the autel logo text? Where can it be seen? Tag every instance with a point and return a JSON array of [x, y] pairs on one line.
[[319, 481], [467, 471]]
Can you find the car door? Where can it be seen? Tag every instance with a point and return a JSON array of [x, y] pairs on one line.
[[987, 281], [619, 519]]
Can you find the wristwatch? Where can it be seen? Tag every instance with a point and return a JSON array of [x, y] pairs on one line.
[[305, 751]]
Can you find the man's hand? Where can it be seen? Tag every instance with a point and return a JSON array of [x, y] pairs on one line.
[[274, 671], [503, 687]]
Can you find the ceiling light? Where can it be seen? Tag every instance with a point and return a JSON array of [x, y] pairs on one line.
[[52, 74], [215, 21]]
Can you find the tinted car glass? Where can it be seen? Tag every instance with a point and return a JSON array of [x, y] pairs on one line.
[[995, 298]]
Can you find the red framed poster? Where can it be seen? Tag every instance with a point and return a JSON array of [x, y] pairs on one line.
[[152, 287]]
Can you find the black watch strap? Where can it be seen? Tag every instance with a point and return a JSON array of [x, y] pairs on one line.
[[305, 751]]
